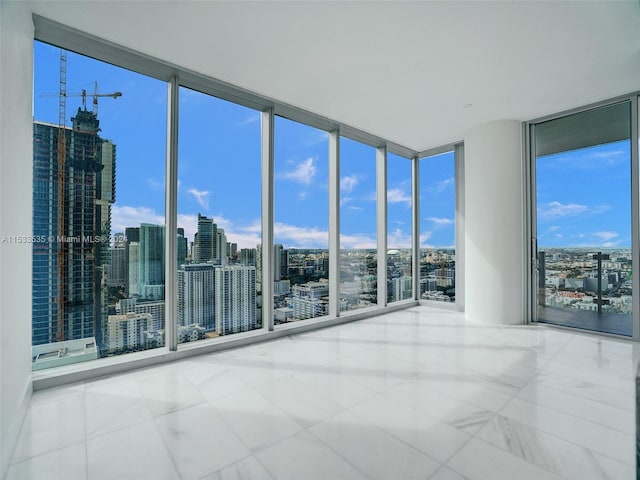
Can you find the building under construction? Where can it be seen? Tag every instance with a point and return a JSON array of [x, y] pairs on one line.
[[71, 226]]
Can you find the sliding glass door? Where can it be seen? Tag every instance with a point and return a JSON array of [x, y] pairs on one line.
[[585, 183]]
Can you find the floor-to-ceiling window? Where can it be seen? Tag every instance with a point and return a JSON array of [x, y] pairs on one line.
[[437, 227], [583, 210], [99, 137], [115, 273], [399, 229], [219, 218], [301, 222], [358, 234]]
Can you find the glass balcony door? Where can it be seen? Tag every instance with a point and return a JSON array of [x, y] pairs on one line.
[[583, 220]]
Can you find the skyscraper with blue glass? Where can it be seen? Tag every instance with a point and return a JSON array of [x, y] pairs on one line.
[[71, 227]]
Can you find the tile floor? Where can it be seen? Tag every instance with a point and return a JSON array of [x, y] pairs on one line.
[[415, 394]]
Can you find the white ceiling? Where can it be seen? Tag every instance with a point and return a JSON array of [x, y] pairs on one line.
[[419, 74]]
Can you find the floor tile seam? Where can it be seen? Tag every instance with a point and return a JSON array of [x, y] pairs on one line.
[[488, 377], [21, 433], [621, 376], [388, 432], [35, 402], [444, 391], [572, 442], [568, 414], [228, 394], [119, 429], [538, 372], [316, 393], [86, 432], [86, 459], [586, 372], [551, 407], [252, 450], [491, 445], [551, 387], [557, 437], [166, 446], [48, 452], [614, 360], [252, 454], [339, 454], [552, 357], [486, 384], [385, 393], [209, 474]]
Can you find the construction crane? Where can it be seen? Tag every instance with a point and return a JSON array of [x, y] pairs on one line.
[[95, 97], [83, 93], [62, 159], [62, 247]]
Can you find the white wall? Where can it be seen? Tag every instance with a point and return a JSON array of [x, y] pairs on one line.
[[16, 76], [494, 223]]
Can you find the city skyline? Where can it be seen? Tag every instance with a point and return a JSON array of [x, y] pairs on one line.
[[229, 132]]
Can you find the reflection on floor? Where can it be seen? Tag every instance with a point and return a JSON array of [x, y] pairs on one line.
[[416, 394], [616, 323]]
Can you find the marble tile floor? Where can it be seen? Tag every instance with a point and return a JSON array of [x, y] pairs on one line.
[[415, 394]]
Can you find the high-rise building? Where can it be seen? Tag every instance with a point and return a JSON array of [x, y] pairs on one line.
[[248, 257], [222, 254], [151, 262], [127, 332], [278, 250], [134, 270], [232, 249], [132, 234], [310, 300], [119, 265], [400, 289], [182, 248], [155, 309], [71, 213], [205, 240], [196, 295], [235, 299]]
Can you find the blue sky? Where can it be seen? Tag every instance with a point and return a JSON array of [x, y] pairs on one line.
[[437, 201], [219, 165], [584, 197]]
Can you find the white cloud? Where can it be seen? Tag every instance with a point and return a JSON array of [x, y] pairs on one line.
[[189, 223], [599, 209], [442, 185], [440, 221], [303, 237], [249, 120], [303, 173], [201, 196], [348, 183], [128, 216], [396, 195], [358, 240], [553, 228], [556, 209], [613, 154], [315, 137], [398, 239], [155, 183], [424, 237], [605, 236]]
